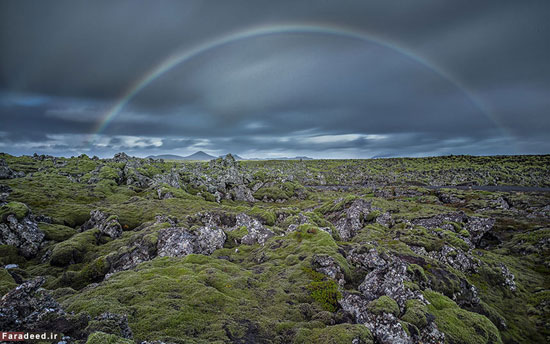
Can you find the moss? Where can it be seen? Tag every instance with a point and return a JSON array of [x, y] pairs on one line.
[[105, 338], [337, 334], [332, 206], [265, 216], [73, 250], [372, 215], [108, 172], [18, 209], [10, 255], [194, 297], [415, 313], [323, 290], [419, 236], [454, 240], [417, 273], [464, 233], [383, 304], [234, 237], [460, 326], [326, 293], [271, 193], [7, 282], [208, 196], [56, 232], [94, 271]]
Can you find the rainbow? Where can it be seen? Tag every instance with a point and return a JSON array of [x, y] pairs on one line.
[[185, 55]]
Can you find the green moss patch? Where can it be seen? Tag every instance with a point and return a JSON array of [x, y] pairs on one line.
[[459, 325], [383, 304], [18, 209]]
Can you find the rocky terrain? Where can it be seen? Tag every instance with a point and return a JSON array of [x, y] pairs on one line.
[[129, 250]]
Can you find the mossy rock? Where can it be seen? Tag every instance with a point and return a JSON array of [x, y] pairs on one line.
[[10, 255], [105, 338], [265, 216], [73, 250], [459, 325], [337, 334], [383, 304], [18, 209], [7, 282], [55, 232], [415, 313], [234, 237]]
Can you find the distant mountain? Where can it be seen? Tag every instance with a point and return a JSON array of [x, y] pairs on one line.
[[295, 158], [167, 157], [200, 155]]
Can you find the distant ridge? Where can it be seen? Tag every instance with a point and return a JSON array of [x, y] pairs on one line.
[[284, 158], [200, 155]]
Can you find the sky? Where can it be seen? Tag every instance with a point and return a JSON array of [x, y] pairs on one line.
[[266, 79]]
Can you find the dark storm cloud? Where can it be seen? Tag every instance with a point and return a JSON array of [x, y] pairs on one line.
[[63, 64]]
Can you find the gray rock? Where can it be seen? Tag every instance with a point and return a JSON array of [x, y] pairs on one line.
[[179, 241], [454, 257], [476, 226], [114, 323], [242, 193], [138, 251], [208, 240], [367, 259], [328, 266], [23, 234], [352, 220], [384, 219], [134, 177], [430, 335], [509, 278], [106, 224], [385, 327], [4, 193], [257, 233], [8, 173], [175, 242], [26, 304], [389, 281], [28, 307], [172, 179]]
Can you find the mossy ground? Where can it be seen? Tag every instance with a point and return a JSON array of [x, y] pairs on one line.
[[269, 293]]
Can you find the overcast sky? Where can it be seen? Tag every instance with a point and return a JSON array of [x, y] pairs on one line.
[[428, 77]]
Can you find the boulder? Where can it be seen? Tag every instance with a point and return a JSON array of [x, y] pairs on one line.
[[175, 242], [141, 249], [28, 307], [112, 323], [179, 241], [328, 266], [208, 239], [107, 224], [21, 231], [389, 281], [385, 327], [257, 233], [367, 258], [351, 220], [8, 173], [476, 226]]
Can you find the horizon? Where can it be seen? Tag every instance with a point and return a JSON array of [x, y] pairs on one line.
[[284, 79], [273, 158]]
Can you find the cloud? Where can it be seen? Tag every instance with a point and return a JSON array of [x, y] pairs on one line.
[[482, 88]]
